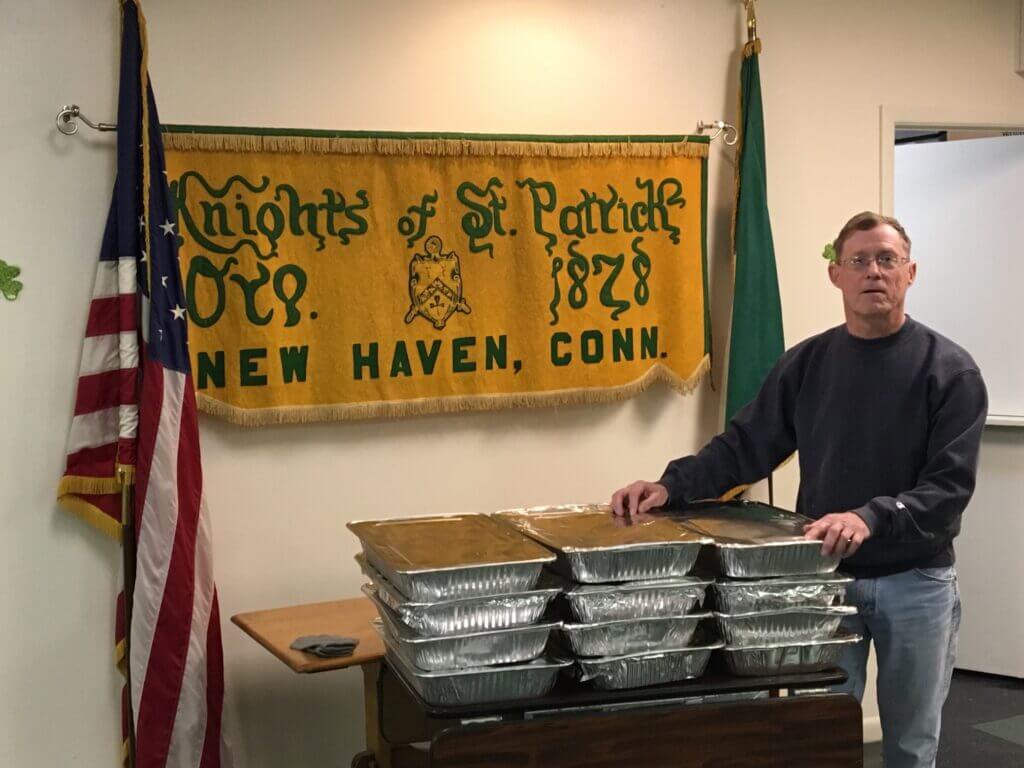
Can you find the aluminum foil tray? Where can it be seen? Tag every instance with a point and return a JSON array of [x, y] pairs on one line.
[[786, 592], [442, 558], [789, 625], [594, 546], [641, 669], [754, 540], [469, 614], [625, 636], [479, 685], [475, 649], [787, 658], [636, 600]]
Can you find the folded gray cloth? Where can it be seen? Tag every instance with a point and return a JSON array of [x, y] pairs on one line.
[[326, 646]]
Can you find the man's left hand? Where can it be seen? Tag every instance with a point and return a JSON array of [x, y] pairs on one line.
[[841, 533]]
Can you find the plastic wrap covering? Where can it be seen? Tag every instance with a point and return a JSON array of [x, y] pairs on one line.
[[476, 649], [594, 546], [754, 540], [442, 558], [786, 592], [789, 625], [480, 685], [787, 658], [642, 669], [616, 638], [470, 614], [639, 599]]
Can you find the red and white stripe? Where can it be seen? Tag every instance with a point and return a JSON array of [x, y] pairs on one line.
[[175, 653], [105, 423], [176, 702]]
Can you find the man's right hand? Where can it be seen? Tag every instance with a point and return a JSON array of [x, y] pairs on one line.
[[639, 497]]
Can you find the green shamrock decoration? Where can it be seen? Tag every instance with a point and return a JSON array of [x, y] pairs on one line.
[[829, 254], [9, 287]]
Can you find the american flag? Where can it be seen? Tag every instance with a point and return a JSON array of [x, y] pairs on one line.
[[135, 418]]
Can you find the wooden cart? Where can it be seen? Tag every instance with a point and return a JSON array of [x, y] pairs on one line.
[[794, 723]]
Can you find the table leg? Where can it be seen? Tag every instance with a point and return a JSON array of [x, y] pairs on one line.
[[375, 744]]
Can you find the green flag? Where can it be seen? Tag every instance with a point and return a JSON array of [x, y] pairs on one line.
[[756, 340]]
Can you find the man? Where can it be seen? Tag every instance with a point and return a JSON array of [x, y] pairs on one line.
[[887, 417]]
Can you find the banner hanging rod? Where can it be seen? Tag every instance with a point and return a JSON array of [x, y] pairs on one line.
[[70, 114]]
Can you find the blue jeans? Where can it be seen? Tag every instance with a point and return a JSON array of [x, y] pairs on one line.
[[913, 619]]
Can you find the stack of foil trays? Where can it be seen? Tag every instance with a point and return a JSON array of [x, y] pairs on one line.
[[778, 602], [460, 614], [627, 586]]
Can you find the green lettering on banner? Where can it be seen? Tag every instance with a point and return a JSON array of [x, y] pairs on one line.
[[483, 217], [578, 269], [359, 225], [675, 198], [293, 363], [269, 219], [400, 365], [296, 208], [179, 190], [274, 228], [560, 358], [428, 359], [290, 300], [208, 370], [540, 207], [649, 343], [460, 355], [618, 306], [606, 207], [642, 270], [556, 292], [496, 352], [249, 288], [622, 344], [368, 360], [248, 366], [200, 266], [414, 225], [591, 346], [209, 209]]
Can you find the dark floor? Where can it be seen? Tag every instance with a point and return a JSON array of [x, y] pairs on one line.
[[982, 724]]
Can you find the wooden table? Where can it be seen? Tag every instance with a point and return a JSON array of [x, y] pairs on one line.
[[277, 629], [798, 725]]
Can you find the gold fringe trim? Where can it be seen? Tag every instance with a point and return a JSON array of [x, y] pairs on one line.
[[95, 486], [228, 142], [89, 512], [253, 417], [125, 474]]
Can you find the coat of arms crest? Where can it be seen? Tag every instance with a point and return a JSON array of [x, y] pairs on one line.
[[435, 284]]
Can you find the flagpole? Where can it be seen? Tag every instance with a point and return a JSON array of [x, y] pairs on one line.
[[127, 480]]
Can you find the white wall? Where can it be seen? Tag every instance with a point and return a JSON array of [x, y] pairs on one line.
[[280, 497]]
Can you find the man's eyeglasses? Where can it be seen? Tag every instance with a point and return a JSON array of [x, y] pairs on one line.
[[884, 261]]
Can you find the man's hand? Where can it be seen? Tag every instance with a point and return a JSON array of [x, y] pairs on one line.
[[639, 497], [841, 533]]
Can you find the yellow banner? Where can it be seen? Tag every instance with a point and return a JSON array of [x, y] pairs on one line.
[[342, 276]]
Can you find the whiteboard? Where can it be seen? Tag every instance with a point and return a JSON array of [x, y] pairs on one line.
[[962, 204]]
